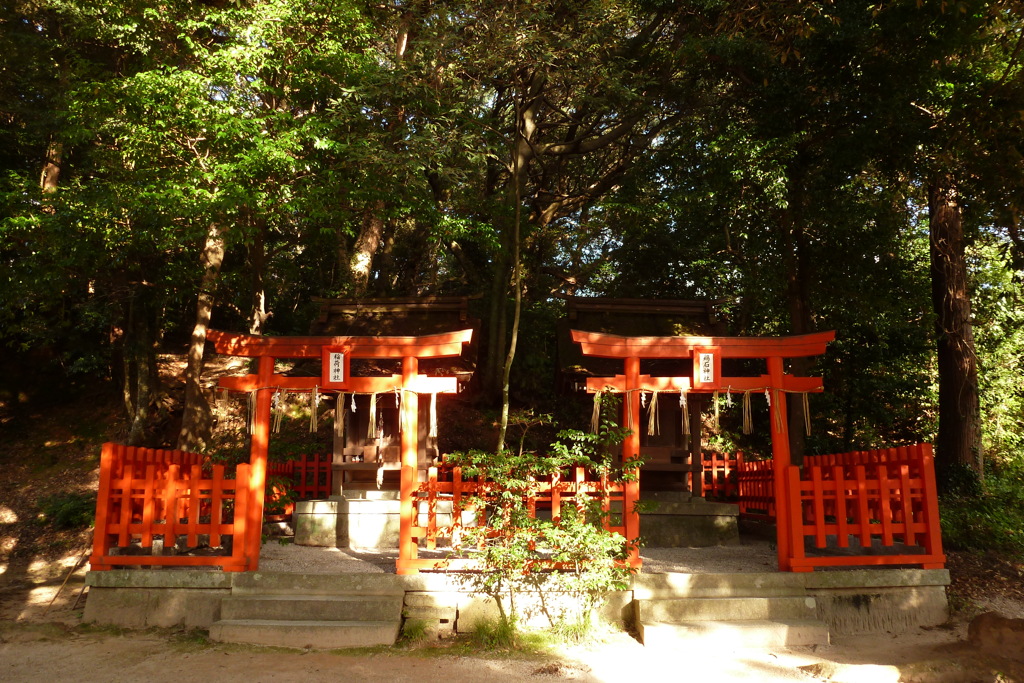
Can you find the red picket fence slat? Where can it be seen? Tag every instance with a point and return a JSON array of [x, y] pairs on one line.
[[147, 493], [443, 512], [310, 476], [885, 499]]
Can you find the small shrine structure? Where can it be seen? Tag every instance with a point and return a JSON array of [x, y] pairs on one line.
[[336, 354], [706, 355]]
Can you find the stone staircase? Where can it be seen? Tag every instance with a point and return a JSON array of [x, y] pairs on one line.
[[318, 611], [726, 610]]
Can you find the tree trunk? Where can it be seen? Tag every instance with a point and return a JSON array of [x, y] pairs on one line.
[[958, 447], [139, 362], [197, 419], [50, 175], [497, 322], [258, 262], [367, 243], [797, 265]]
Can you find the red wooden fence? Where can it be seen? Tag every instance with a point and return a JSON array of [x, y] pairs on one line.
[[311, 475], [443, 508], [718, 475], [147, 494], [885, 498]]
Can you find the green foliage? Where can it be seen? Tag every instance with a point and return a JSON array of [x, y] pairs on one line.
[[497, 634], [519, 551], [68, 511], [280, 493], [413, 630], [990, 520]]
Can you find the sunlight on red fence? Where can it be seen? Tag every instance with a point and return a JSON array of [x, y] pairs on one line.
[[148, 495], [719, 475], [871, 507], [444, 511]]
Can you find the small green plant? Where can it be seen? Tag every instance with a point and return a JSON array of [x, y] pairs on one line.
[[280, 494], [68, 511], [989, 520], [413, 630], [572, 556]]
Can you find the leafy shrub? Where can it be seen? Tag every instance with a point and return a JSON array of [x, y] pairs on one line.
[[68, 511], [990, 520], [518, 550]]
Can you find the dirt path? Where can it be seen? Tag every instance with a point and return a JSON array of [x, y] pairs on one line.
[[52, 645]]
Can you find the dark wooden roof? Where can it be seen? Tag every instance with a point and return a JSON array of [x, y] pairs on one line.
[[400, 316], [632, 317]]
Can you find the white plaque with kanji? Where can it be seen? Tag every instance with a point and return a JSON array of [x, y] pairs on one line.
[[707, 368], [335, 363]]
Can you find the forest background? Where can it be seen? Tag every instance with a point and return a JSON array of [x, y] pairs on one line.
[[839, 165]]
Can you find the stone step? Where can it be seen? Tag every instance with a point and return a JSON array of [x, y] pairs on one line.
[[280, 583], [719, 635], [683, 610], [317, 635], [739, 584], [312, 608]]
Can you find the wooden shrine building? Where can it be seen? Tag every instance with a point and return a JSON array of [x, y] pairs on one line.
[[337, 355], [705, 356], [367, 454]]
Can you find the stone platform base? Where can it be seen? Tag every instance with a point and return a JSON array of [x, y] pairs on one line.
[[679, 521]]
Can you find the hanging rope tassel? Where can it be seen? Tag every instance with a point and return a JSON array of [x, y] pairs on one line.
[[432, 433], [595, 414], [278, 408], [629, 409], [748, 421], [339, 416], [251, 413], [684, 404], [314, 400], [778, 412], [222, 400], [371, 425], [714, 399], [807, 413], [653, 426]]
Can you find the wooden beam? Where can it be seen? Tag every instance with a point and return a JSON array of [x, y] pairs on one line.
[[444, 345], [616, 346], [421, 384], [734, 384]]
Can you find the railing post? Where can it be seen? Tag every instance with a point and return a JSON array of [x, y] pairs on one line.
[[101, 539], [933, 533]]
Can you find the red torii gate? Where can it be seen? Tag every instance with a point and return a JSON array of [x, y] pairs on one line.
[[707, 354], [336, 353]]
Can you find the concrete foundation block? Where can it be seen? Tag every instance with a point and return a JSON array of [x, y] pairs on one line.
[[145, 607], [691, 524], [368, 524], [880, 600], [316, 523], [319, 635]]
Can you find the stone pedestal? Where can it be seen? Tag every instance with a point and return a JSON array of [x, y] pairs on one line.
[[316, 523], [679, 521], [370, 521]]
